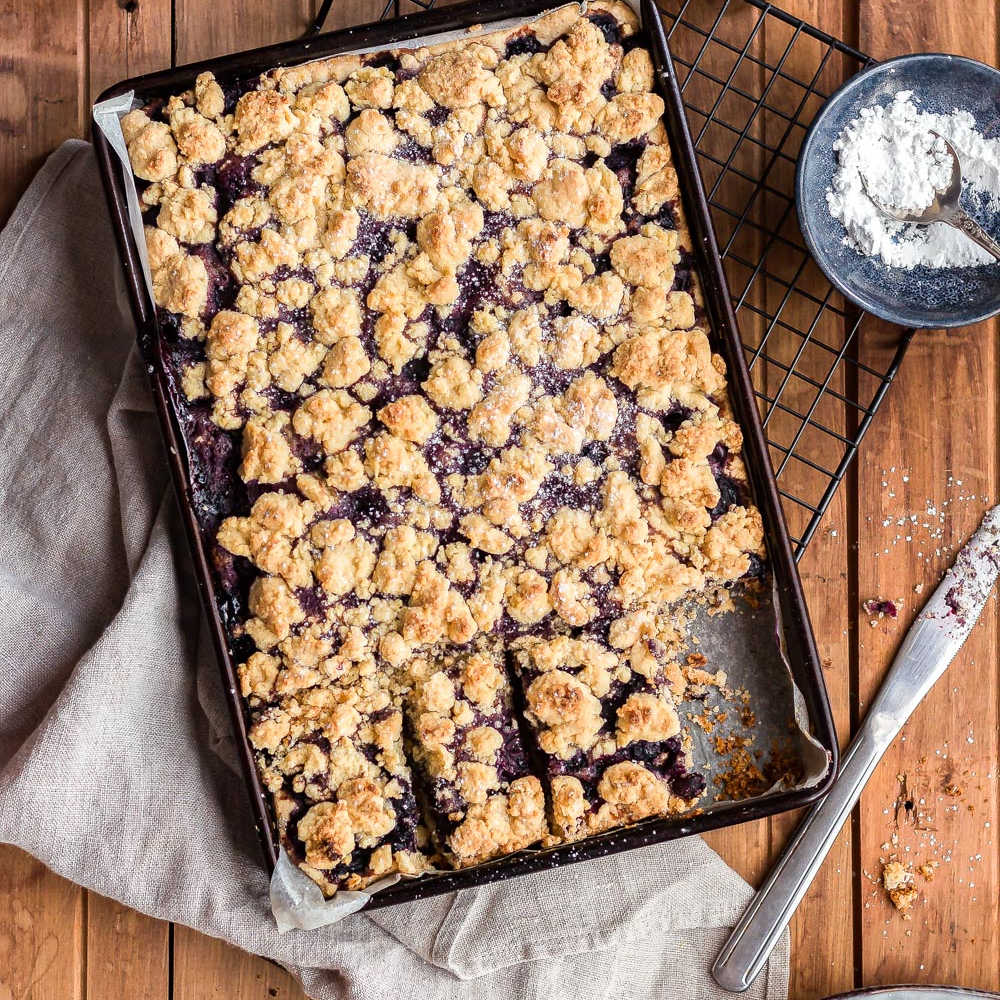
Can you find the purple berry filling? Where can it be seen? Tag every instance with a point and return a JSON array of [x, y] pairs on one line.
[[214, 455]]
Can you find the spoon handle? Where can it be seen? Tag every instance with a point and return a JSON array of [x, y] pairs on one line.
[[965, 223]]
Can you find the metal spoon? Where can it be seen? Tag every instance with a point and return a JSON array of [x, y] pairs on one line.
[[944, 208]]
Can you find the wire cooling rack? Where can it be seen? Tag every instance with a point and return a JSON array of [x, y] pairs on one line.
[[753, 78]]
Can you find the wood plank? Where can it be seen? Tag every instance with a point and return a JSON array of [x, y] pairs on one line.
[[42, 918], [41, 83], [822, 950], [127, 38], [954, 937], [744, 848], [952, 738], [42, 69], [939, 429], [128, 953], [751, 848], [206, 968], [206, 30]]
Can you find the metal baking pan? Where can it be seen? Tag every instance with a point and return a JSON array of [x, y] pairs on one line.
[[797, 639]]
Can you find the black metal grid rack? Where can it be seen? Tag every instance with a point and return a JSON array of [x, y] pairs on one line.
[[753, 78]]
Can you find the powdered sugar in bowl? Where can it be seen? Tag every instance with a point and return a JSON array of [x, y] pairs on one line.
[[877, 134]]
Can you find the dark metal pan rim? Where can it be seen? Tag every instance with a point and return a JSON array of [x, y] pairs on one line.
[[798, 639]]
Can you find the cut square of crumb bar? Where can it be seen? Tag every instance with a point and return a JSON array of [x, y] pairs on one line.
[[608, 727], [482, 798], [438, 353]]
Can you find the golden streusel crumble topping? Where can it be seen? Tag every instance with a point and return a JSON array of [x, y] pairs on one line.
[[457, 433]]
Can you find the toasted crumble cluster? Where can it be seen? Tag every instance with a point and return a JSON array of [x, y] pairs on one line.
[[458, 436], [604, 715], [898, 883]]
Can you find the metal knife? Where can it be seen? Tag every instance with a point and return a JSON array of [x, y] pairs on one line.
[[937, 634]]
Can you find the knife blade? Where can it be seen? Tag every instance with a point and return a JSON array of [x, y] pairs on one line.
[[936, 636]]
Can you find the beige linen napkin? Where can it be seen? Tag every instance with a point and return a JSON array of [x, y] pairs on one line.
[[116, 763]]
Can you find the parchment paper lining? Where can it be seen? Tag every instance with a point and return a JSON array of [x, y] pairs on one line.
[[746, 643]]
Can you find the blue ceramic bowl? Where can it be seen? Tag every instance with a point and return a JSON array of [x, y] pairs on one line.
[[922, 297]]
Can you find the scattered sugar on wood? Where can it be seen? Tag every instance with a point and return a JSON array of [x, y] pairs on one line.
[[923, 836], [925, 525]]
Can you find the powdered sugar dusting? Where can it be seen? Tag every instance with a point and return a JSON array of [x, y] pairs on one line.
[[974, 571], [894, 151], [923, 526], [906, 167]]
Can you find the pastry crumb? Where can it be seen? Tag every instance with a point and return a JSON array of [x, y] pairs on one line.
[[928, 870], [879, 609], [898, 883]]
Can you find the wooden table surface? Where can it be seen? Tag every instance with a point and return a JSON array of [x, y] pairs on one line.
[[929, 467]]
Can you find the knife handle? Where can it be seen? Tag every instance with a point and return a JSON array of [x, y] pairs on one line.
[[753, 938]]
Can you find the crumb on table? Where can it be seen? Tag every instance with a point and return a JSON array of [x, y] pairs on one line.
[[878, 609], [898, 884], [928, 870]]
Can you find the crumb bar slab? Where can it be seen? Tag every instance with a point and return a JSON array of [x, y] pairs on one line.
[[332, 756], [608, 726], [439, 358], [483, 800]]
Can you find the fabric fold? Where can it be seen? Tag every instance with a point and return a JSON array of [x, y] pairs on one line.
[[117, 766]]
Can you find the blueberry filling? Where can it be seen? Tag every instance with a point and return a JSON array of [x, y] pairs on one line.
[[608, 25], [667, 216], [437, 115], [233, 181], [522, 45], [385, 60], [452, 449]]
